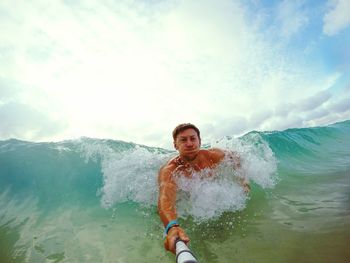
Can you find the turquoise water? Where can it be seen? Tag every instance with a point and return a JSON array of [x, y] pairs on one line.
[[91, 200]]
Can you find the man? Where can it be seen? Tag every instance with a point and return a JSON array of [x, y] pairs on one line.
[[191, 159]]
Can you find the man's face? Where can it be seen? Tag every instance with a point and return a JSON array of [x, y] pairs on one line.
[[187, 143]]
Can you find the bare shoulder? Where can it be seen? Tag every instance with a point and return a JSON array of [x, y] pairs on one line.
[[215, 155], [217, 151]]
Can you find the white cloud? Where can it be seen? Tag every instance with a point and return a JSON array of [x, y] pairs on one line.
[[340, 106], [134, 70], [291, 17], [9, 89], [278, 123], [260, 117], [314, 101], [314, 115], [22, 121], [337, 18]]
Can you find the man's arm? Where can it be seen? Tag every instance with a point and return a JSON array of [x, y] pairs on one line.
[[167, 207], [167, 195]]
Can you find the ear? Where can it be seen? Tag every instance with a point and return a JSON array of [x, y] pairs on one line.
[[175, 146]]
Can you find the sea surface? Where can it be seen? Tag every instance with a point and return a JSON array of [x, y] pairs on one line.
[[94, 200]]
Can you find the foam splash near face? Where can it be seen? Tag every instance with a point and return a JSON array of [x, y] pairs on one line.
[[131, 175], [128, 175], [210, 193]]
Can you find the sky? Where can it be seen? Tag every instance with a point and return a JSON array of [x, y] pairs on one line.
[[132, 70]]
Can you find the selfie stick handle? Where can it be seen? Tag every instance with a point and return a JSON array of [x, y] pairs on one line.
[[183, 253]]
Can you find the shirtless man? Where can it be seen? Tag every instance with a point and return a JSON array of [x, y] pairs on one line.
[[191, 159]]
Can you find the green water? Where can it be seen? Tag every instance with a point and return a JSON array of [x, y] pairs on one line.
[[95, 201]]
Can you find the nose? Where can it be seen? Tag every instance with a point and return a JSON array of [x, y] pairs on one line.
[[189, 143]]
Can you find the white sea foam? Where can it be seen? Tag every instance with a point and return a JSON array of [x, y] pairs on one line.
[[258, 162], [132, 176], [207, 197], [129, 175]]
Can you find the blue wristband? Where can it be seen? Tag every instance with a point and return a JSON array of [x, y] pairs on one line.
[[170, 225]]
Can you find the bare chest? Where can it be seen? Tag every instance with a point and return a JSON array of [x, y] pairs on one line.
[[187, 169]]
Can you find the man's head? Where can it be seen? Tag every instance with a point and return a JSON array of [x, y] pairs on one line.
[[187, 140], [184, 126]]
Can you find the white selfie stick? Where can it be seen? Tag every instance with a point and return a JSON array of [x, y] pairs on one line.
[[183, 253]]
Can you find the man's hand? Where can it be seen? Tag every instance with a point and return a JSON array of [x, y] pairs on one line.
[[175, 233], [245, 184], [246, 187]]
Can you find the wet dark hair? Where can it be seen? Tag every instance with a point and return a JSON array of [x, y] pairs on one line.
[[184, 126]]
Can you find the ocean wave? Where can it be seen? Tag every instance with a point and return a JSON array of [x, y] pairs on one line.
[[112, 172]]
